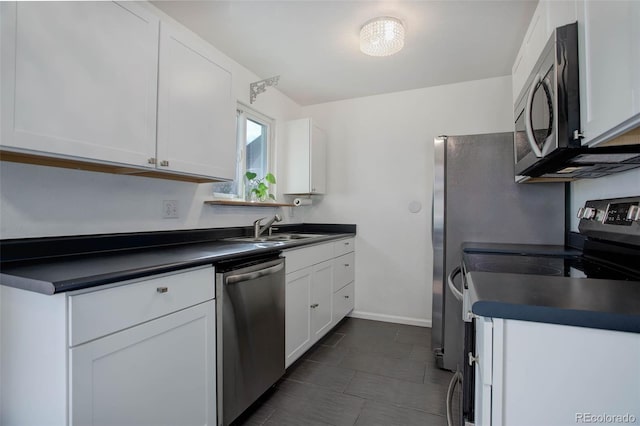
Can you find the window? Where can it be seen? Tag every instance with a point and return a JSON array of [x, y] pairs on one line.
[[253, 140]]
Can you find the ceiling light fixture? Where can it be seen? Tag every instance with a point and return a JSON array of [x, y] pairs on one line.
[[382, 36]]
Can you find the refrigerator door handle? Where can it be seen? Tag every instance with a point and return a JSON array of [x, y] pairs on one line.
[[456, 293]]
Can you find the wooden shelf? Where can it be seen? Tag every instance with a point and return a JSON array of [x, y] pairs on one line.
[[88, 165], [247, 203]]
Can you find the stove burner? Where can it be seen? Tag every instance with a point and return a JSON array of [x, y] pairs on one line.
[[514, 267]]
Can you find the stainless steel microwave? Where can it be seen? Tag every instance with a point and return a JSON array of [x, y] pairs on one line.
[[547, 138], [547, 112]]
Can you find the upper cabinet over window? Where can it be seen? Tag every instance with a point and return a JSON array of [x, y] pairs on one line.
[[609, 56], [306, 158], [91, 82]]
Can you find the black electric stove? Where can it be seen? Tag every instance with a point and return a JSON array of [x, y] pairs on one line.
[[607, 248], [567, 265], [609, 239]]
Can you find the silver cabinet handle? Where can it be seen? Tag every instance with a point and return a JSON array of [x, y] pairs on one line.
[[315, 305], [456, 293], [346, 265], [162, 289], [346, 297], [164, 163], [151, 160], [472, 359]]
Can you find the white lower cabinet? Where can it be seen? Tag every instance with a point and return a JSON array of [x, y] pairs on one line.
[[140, 353], [298, 318], [314, 302], [158, 373], [343, 300], [321, 299], [530, 373]]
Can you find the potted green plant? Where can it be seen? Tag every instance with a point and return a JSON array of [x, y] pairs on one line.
[[258, 189]]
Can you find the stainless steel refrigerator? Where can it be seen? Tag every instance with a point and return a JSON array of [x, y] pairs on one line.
[[476, 199]]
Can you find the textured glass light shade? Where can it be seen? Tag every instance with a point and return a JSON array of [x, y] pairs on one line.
[[382, 36]]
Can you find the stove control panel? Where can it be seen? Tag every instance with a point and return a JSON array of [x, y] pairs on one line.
[[616, 219], [621, 214]]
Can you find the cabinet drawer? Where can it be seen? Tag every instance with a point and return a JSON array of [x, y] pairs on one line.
[[344, 270], [343, 302], [344, 246], [304, 257], [106, 311]]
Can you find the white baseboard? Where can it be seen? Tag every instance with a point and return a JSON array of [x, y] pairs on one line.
[[390, 318]]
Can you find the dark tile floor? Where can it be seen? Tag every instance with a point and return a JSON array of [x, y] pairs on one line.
[[364, 373]]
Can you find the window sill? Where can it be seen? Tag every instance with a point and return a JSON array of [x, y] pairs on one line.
[[248, 203]]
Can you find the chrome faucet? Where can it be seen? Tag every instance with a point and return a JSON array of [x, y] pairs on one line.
[[259, 230]]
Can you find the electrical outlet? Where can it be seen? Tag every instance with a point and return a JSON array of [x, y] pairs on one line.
[[170, 209]]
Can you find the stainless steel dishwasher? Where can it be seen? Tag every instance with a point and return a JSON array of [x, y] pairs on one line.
[[250, 331]]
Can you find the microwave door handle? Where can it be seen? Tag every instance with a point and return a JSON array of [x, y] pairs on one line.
[[527, 117], [456, 293]]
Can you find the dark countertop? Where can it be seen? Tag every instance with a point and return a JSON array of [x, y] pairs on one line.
[[582, 302], [80, 270]]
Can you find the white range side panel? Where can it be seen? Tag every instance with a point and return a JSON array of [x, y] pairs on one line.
[[196, 110], [33, 361], [80, 79], [551, 373]]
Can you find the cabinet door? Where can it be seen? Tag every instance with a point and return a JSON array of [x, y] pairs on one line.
[[321, 299], [609, 44], [318, 161], [79, 79], [343, 302], [158, 373], [297, 314], [196, 114]]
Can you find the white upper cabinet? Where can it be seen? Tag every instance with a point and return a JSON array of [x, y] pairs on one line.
[[547, 17], [609, 44], [609, 57], [79, 79], [91, 82], [532, 45], [306, 158], [196, 112]]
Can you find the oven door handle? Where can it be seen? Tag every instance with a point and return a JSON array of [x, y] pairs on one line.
[[527, 116], [456, 293]]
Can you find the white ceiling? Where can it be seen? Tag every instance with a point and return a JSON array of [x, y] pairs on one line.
[[313, 45]]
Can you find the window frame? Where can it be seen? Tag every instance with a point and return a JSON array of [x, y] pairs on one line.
[[244, 113]]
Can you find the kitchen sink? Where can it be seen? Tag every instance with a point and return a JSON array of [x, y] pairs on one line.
[[277, 237]]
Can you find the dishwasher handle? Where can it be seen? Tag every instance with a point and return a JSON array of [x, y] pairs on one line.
[[265, 269]]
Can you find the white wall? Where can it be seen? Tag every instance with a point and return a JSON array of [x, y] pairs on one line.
[[379, 160], [619, 185], [37, 201]]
